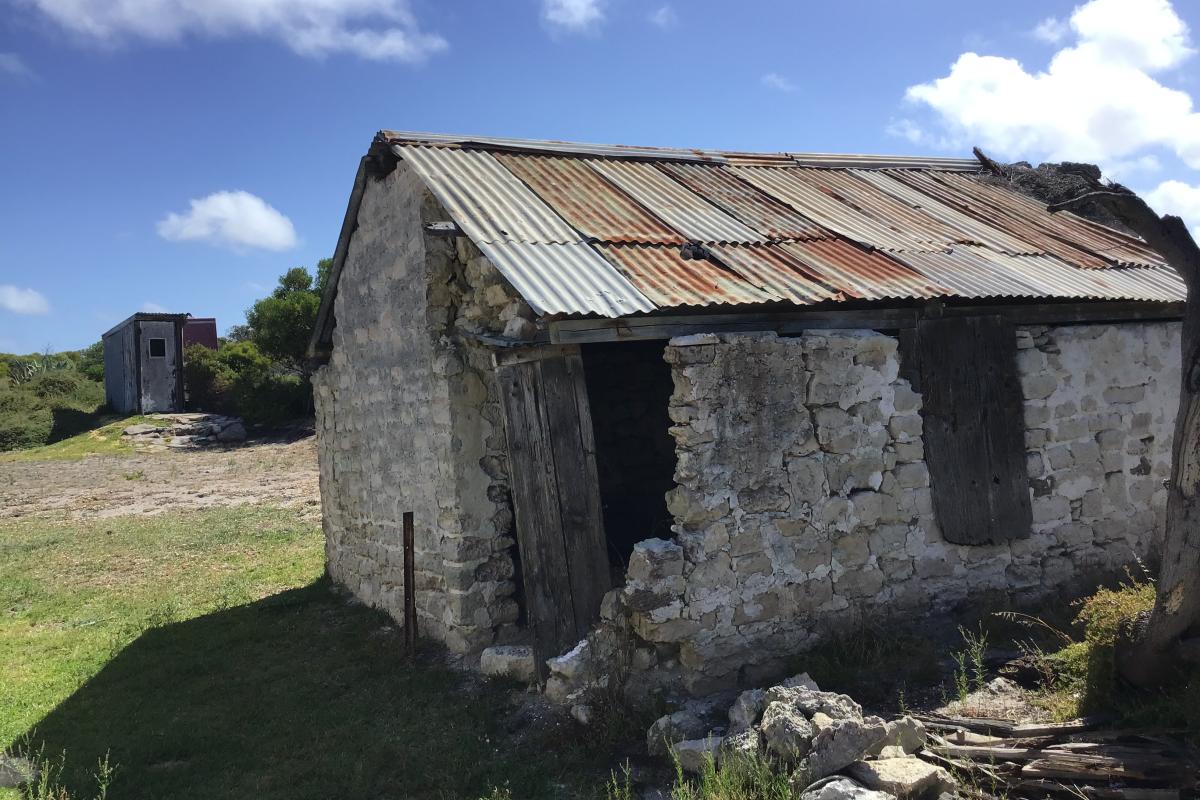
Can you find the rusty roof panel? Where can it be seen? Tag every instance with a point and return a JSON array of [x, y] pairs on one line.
[[591, 204], [684, 210], [565, 279], [851, 161], [971, 229], [867, 274], [760, 211], [485, 199], [788, 185], [969, 202], [664, 276], [774, 270], [885, 209], [967, 274], [1105, 242]]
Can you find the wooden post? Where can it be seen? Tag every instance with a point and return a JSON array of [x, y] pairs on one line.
[[410, 590]]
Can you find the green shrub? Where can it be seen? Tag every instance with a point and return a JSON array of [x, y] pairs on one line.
[[239, 379], [206, 379], [22, 429]]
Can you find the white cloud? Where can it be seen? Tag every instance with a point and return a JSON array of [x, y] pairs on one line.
[[1098, 100], [1179, 198], [153, 308], [573, 16], [379, 30], [12, 64], [233, 219], [22, 301], [773, 80], [664, 17], [1051, 30]]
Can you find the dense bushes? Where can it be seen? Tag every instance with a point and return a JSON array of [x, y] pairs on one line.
[[50, 406], [239, 379]]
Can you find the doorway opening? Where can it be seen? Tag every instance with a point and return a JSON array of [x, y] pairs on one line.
[[629, 390]]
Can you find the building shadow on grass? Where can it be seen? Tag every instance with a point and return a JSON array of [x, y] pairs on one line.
[[300, 695]]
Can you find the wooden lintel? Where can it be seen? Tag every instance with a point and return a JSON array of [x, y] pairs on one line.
[[538, 352], [443, 229], [665, 327]]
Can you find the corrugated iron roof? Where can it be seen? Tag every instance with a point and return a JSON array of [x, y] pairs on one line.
[[687, 212], [663, 275], [750, 205], [587, 201], [868, 274], [773, 269], [797, 189], [597, 229]]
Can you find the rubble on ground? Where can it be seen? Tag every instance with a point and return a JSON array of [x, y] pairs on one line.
[[185, 431], [830, 748]]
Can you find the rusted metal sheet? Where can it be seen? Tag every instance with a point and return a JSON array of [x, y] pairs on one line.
[[774, 270], [662, 274], [866, 274], [1105, 242], [750, 205], [998, 217], [591, 204], [880, 206], [485, 199], [671, 201], [971, 229], [565, 278], [789, 186]]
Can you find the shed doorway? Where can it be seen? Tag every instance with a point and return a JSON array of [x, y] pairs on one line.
[[629, 389]]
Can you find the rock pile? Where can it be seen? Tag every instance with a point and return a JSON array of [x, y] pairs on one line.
[[831, 750], [185, 431]]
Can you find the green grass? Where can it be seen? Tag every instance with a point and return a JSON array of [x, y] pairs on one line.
[[104, 440], [206, 654]]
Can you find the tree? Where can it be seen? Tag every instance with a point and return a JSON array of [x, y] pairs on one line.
[[280, 325], [91, 361], [1152, 654]]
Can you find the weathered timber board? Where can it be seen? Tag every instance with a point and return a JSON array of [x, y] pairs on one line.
[[974, 428], [560, 533]]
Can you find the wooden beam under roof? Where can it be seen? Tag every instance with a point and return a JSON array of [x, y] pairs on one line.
[[582, 331]]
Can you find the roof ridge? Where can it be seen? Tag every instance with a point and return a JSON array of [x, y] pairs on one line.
[[699, 155]]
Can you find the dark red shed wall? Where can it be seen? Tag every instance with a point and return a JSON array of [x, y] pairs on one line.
[[200, 330]]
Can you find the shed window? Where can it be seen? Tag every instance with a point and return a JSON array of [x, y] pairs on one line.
[[974, 429], [158, 348]]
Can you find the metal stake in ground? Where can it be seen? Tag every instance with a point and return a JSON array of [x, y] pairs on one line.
[[410, 590]]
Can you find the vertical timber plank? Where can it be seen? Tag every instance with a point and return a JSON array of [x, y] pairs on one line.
[[535, 499], [1010, 508], [569, 420], [974, 429]]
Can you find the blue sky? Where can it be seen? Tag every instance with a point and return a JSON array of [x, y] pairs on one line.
[[181, 154]]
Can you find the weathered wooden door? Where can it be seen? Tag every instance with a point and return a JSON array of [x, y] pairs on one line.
[[974, 428], [556, 494]]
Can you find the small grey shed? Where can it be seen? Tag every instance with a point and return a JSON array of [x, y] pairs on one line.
[[143, 364]]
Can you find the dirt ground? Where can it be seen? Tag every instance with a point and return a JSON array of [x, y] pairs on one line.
[[275, 473]]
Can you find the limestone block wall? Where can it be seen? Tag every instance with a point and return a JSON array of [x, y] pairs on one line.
[[408, 420], [803, 495]]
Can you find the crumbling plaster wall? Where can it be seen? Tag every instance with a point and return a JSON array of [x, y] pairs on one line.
[[803, 495], [408, 419]]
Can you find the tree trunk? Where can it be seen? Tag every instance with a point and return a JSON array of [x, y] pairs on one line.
[[1152, 654]]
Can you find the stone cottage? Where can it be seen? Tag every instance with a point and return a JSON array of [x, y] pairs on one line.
[[721, 401]]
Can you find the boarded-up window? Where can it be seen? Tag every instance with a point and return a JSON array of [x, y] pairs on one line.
[[974, 429]]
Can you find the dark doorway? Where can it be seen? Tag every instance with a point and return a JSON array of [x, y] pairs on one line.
[[629, 390]]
